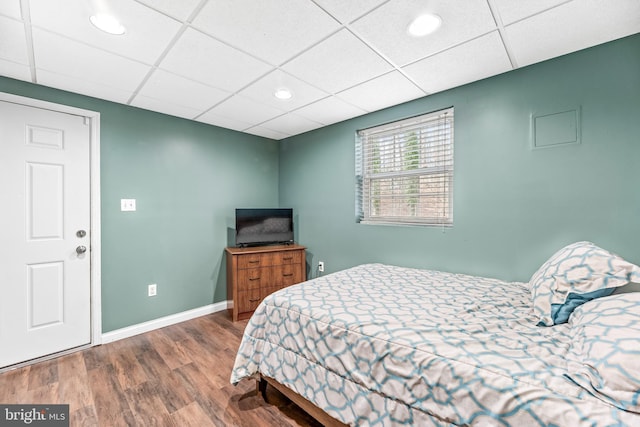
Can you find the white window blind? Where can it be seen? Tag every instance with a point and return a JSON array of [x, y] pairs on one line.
[[404, 171]]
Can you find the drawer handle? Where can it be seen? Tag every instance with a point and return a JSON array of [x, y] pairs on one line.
[[287, 258], [254, 278], [254, 262], [287, 275], [254, 300]]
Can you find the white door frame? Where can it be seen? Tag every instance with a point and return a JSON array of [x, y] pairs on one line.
[[93, 118]]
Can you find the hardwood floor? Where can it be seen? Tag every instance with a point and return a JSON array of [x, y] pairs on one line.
[[174, 376]]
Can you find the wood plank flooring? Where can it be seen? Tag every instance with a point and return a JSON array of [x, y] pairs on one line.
[[174, 376]]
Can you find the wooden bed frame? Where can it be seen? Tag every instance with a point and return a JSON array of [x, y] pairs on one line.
[[318, 414]]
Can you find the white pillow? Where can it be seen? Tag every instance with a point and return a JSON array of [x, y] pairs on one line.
[[604, 357], [574, 275]]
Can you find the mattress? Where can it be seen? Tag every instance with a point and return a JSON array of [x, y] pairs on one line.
[[387, 345]]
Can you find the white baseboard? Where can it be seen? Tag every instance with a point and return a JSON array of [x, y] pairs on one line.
[[141, 328]]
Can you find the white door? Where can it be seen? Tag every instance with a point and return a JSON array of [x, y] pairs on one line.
[[45, 289]]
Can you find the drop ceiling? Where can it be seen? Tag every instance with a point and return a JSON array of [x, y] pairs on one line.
[[220, 61]]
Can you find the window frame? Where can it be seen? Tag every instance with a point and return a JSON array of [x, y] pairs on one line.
[[430, 161]]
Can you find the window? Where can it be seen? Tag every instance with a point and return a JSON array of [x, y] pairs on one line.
[[404, 171]]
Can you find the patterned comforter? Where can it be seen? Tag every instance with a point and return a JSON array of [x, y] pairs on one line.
[[385, 345]]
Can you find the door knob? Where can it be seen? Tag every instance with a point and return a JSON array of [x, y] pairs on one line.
[[81, 233], [81, 249]]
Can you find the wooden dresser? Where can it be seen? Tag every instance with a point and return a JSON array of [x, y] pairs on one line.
[[255, 272]]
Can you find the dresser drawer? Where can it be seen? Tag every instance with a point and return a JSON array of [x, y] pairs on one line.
[[255, 260], [288, 257], [286, 275], [253, 278], [249, 300]]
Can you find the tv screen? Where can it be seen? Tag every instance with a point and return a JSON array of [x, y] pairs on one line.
[[264, 226]]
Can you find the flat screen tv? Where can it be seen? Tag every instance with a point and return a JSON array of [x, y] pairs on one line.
[[264, 226]]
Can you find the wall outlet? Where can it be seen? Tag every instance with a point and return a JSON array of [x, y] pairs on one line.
[[153, 290], [321, 266]]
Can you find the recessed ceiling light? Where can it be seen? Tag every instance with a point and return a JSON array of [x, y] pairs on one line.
[[108, 24], [283, 93], [424, 24]]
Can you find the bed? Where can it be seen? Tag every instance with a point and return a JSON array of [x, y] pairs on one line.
[[387, 345]]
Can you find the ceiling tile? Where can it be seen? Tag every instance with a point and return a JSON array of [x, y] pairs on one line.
[[348, 11], [273, 30], [267, 133], [14, 70], [511, 11], [180, 10], [78, 85], [340, 58], [202, 58], [165, 86], [474, 60], [572, 26], [67, 57], [385, 91], [244, 109], [10, 8], [263, 90], [164, 106], [291, 124], [337, 63], [13, 46], [329, 110], [386, 27], [225, 122], [140, 21]]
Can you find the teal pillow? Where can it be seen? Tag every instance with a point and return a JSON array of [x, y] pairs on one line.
[[560, 312]]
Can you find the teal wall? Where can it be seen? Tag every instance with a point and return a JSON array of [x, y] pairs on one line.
[[513, 206], [187, 178]]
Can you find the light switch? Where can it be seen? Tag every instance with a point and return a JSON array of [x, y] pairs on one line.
[[127, 205]]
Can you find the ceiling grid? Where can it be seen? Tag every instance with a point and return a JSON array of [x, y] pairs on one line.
[[220, 62]]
